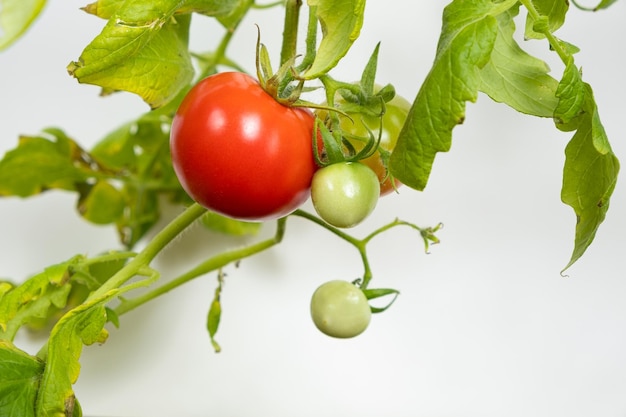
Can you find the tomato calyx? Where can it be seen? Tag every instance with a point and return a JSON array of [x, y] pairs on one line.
[[357, 102], [374, 293], [280, 85]]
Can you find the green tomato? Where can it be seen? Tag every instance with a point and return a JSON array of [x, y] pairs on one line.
[[340, 309], [396, 112], [345, 193], [359, 125]]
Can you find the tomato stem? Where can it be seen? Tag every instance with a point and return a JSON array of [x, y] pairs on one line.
[[152, 249], [427, 234], [212, 264], [311, 41], [290, 30]]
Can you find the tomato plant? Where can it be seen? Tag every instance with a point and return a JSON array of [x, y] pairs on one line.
[[239, 152], [241, 146], [340, 309], [345, 193]]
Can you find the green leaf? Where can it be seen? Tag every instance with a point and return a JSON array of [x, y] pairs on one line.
[[40, 163], [226, 225], [83, 325], [604, 4], [341, 22], [516, 78], [143, 48], [209, 7], [571, 94], [553, 15], [104, 8], [118, 182], [467, 39], [590, 171], [117, 149], [36, 298], [20, 374], [143, 53], [374, 293], [103, 204], [107, 8], [16, 16], [230, 20], [142, 213], [215, 313]]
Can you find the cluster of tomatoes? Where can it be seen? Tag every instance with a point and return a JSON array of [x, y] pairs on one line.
[[239, 152]]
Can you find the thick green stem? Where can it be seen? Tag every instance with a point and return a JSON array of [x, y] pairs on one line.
[[290, 30], [152, 249], [212, 264], [332, 229]]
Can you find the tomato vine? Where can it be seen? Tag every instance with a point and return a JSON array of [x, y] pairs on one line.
[[124, 179]]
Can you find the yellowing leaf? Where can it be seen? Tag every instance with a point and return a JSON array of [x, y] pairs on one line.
[[139, 55], [143, 48]]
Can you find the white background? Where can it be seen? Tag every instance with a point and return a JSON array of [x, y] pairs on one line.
[[485, 326]]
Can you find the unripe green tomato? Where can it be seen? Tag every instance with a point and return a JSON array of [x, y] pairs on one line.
[[340, 309], [393, 119], [361, 125], [345, 193]]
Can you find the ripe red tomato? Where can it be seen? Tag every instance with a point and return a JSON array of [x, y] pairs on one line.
[[239, 152]]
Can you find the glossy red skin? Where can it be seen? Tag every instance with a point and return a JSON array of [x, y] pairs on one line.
[[239, 152]]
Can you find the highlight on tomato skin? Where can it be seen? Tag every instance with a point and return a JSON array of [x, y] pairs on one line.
[[239, 152], [340, 309]]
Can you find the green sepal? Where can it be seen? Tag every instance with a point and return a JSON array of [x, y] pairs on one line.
[[333, 152], [374, 293]]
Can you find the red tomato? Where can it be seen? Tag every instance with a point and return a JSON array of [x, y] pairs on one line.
[[239, 152]]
